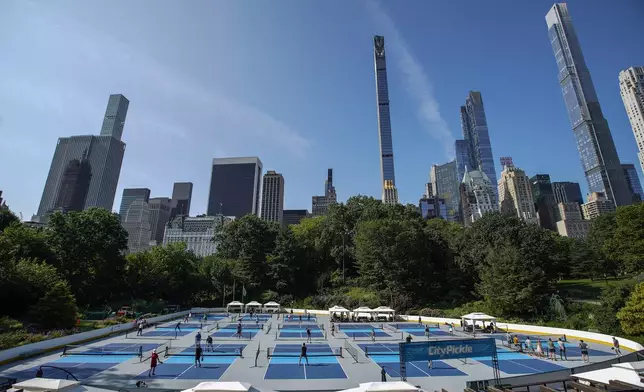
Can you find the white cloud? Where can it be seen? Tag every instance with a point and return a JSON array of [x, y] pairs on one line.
[[417, 83]]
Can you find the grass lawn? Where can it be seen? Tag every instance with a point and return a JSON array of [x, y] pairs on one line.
[[588, 289]]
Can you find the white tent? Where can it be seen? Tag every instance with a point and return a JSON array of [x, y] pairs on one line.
[[46, 384], [235, 307], [339, 310], [221, 386], [477, 318], [271, 307], [393, 386], [363, 312], [619, 373], [384, 312], [254, 305]]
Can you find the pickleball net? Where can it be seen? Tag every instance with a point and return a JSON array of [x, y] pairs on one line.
[[297, 351], [216, 351], [71, 349]]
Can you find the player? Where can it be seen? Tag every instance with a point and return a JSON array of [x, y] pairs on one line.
[[427, 331], [408, 339], [198, 356], [616, 346], [239, 331], [332, 329], [154, 358], [303, 355], [178, 327], [198, 339], [373, 335], [562, 350], [209, 346], [584, 351], [308, 335]]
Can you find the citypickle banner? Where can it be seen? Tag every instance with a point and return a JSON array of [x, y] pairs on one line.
[[447, 349]]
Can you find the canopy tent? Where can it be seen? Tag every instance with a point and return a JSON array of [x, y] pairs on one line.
[[363, 312], [477, 318], [221, 386], [254, 305], [392, 386], [46, 384], [384, 312], [339, 310], [623, 375], [271, 307], [235, 307]]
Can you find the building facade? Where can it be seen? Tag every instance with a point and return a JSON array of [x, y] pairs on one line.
[[477, 137], [631, 87], [597, 204], [566, 192], [572, 224], [320, 204], [544, 201], [130, 195], [595, 143], [515, 194], [445, 183], [3, 203], [633, 180], [235, 187], [432, 206], [136, 222], [273, 197], [160, 208], [104, 154], [294, 217], [462, 158], [477, 196], [181, 199], [74, 186], [196, 232], [388, 178]]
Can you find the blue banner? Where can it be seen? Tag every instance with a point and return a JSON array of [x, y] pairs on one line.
[[447, 349]]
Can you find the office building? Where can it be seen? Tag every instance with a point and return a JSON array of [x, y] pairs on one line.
[[3, 203], [597, 204], [462, 158], [130, 195], [294, 217], [160, 208], [631, 86], [515, 194], [633, 180], [181, 198], [235, 186], [505, 161], [597, 150], [477, 137], [196, 232], [432, 206], [477, 196], [445, 185], [544, 201], [136, 222], [566, 192], [320, 204], [388, 178], [273, 197], [104, 155], [74, 186], [572, 224]]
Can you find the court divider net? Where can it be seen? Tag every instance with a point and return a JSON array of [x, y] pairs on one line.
[[368, 337], [71, 349], [352, 351], [290, 353], [214, 352]]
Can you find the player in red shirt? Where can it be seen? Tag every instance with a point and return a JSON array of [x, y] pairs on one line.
[[154, 358]]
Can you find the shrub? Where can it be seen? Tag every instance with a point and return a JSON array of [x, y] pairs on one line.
[[57, 309], [429, 312]]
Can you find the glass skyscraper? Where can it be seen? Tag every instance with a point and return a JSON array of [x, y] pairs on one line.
[[389, 193], [595, 144], [235, 186], [477, 138], [462, 158]]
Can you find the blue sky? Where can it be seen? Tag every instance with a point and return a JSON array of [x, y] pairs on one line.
[[293, 83]]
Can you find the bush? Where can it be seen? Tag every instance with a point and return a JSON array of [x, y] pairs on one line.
[[631, 316], [57, 309], [429, 312]]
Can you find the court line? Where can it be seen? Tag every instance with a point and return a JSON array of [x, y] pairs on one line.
[[422, 370]]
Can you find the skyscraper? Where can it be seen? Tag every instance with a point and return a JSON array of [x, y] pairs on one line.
[[104, 154], [445, 184], [235, 186], [388, 178], [294, 217], [462, 158], [273, 197], [597, 150], [597, 204], [477, 196], [633, 180], [137, 224], [567, 192], [160, 208], [477, 137], [515, 194], [181, 198], [544, 201], [130, 195], [320, 204], [631, 86], [74, 186]]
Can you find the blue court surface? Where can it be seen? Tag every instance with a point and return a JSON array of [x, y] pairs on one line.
[[517, 363], [215, 317], [247, 333], [322, 363], [415, 330], [169, 332], [387, 355], [182, 364], [572, 348], [298, 318], [86, 365], [261, 317], [362, 331]]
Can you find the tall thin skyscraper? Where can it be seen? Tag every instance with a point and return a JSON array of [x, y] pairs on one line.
[[462, 158], [273, 197], [477, 137], [130, 195], [633, 180], [74, 186], [597, 150], [235, 186], [104, 154], [544, 201], [631, 86], [388, 178], [181, 198], [159, 217], [445, 184]]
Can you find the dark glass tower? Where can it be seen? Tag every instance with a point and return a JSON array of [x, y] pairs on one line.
[[389, 195], [74, 186], [544, 201], [181, 198], [567, 192], [235, 186], [597, 150], [130, 195], [115, 115]]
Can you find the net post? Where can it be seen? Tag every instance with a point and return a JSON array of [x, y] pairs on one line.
[[64, 351], [167, 352], [366, 351], [268, 352], [140, 352], [341, 356]]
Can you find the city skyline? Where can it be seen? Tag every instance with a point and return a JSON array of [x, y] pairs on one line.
[[153, 123]]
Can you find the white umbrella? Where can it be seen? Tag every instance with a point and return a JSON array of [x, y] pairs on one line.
[[221, 386], [46, 384]]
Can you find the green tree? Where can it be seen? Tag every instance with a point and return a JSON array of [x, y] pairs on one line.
[[7, 218], [177, 274], [56, 309], [613, 298], [21, 242], [217, 277], [631, 316], [629, 237], [584, 263], [89, 247], [601, 239], [288, 269]]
